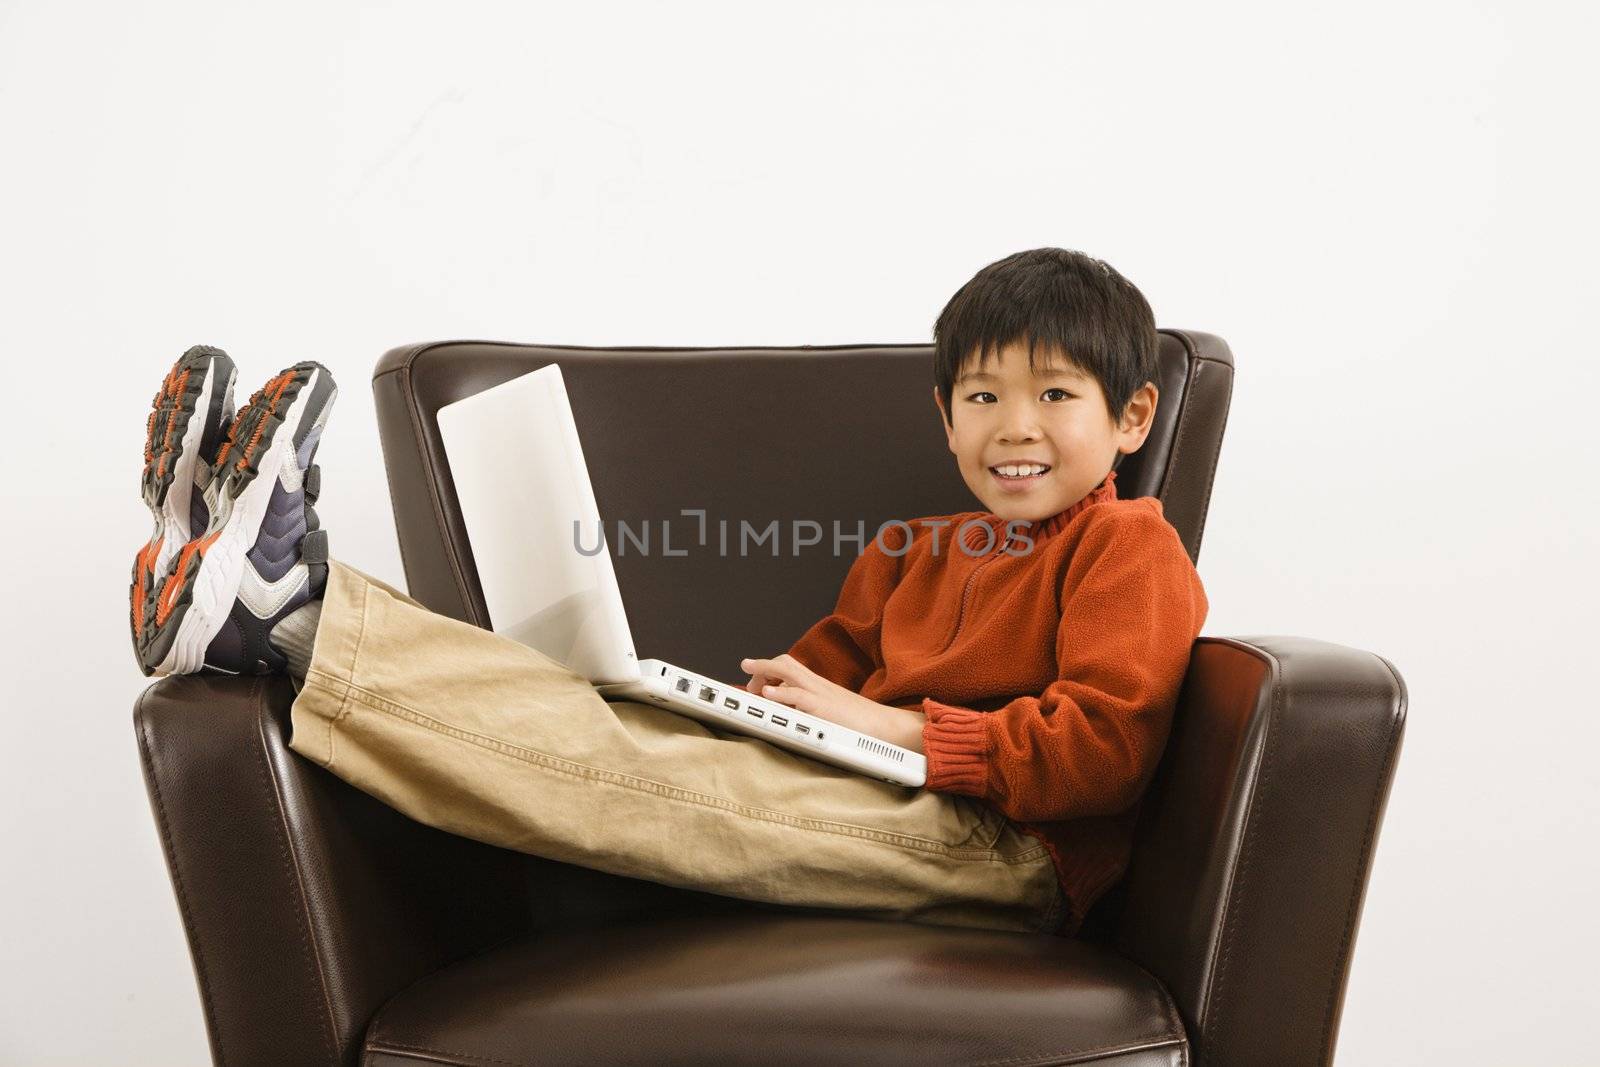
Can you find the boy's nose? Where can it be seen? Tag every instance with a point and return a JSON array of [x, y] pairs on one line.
[[1019, 432]]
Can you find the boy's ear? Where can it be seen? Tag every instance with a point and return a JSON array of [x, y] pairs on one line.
[[944, 420], [1138, 418]]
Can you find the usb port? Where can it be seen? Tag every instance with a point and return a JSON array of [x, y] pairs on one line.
[[779, 720], [757, 712], [802, 727], [731, 702], [708, 694]]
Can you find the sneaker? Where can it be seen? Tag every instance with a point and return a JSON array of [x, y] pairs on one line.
[[262, 554], [188, 422]]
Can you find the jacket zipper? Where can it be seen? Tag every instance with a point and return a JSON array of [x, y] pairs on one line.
[[966, 591]]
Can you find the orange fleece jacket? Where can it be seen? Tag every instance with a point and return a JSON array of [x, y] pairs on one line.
[[1048, 674]]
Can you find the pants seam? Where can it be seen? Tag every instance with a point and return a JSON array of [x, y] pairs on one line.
[[675, 793], [1058, 902], [355, 657]]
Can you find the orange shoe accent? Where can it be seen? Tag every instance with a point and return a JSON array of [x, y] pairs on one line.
[[133, 600], [271, 393], [150, 421], [142, 565], [233, 426], [169, 592], [275, 388], [150, 433], [172, 420]]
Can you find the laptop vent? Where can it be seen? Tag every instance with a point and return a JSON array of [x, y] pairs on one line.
[[881, 749]]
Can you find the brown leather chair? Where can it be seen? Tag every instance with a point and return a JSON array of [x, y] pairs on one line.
[[326, 928]]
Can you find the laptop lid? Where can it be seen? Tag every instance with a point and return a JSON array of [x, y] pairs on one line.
[[530, 515]]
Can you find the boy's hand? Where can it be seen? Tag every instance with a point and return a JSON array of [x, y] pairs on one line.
[[788, 681]]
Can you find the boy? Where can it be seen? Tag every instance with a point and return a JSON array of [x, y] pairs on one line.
[[1033, 651]]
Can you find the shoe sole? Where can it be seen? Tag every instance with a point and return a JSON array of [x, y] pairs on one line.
[[177, 445], [194, 601]]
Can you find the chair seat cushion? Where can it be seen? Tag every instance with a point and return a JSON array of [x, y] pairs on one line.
[[782, 989]]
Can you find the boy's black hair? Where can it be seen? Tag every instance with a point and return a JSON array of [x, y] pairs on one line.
[[1059, 299]]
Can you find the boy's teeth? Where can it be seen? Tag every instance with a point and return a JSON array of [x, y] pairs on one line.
[[1014, 471]]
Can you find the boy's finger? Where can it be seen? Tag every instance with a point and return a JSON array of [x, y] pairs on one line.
[[785, 694]]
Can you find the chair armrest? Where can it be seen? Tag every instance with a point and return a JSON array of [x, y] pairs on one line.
[[307, 903], [1255, 842]]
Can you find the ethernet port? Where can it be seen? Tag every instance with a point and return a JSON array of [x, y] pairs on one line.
[[708, 694]]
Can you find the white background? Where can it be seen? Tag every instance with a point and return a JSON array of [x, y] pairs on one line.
[[1386, 210]]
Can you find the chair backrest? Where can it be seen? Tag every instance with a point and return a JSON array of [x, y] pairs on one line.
[[826, 442]]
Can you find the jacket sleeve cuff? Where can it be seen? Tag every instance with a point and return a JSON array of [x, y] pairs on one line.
[[955, 742]]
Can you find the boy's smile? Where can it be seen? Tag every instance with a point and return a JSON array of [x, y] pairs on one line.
[[1031, 444]]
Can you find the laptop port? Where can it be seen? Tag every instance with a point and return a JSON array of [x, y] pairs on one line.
[[802, 727], [683, 685], [779, 720], [731, 702], [757, 712], [708, 694]]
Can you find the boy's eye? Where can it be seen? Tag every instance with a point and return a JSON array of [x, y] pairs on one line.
[[1047, 392]]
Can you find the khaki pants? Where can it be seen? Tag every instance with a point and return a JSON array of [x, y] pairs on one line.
[[478, 735]]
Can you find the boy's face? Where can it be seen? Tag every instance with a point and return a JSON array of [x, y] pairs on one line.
[[1003, 412]]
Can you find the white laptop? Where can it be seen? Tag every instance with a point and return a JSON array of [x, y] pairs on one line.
[[555, 590]]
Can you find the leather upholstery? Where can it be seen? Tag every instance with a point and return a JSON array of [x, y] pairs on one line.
[[326, 928], [776, 990], [307, 902], [1256, 839], [844, 433]]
